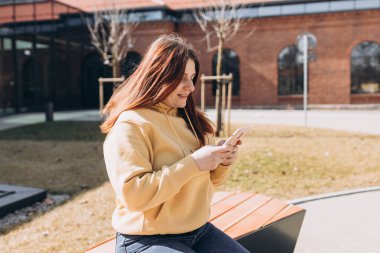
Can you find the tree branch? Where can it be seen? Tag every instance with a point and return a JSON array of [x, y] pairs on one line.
[[111, 34]]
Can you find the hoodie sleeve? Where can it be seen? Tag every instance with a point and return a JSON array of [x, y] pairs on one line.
[[128, 155], [220, 175]]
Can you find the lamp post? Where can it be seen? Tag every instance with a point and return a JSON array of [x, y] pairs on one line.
[[305, 43]]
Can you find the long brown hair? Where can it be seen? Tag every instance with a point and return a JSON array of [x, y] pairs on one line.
[[159, 73]]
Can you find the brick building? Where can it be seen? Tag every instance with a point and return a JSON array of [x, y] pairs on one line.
[[46, 54]]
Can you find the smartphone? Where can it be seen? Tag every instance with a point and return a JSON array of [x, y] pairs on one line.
[[235, 137]]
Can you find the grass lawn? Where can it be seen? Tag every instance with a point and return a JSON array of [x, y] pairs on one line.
[[66, 157], [62, 157]]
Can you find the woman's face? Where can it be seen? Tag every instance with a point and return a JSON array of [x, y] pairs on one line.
[[178, 97]]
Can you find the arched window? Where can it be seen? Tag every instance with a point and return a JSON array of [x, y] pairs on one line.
[[130, 63], [230, 64], [290, 72], [365, 68], [93, 67]]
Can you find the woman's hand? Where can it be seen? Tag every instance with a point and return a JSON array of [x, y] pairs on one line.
[[232, 157], [209, 157]]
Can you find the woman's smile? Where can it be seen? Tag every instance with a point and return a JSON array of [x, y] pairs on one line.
[[183, 95]]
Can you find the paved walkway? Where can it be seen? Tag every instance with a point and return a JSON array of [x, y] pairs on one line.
[[342, 223], [364, 121], [335, 223], [33, 118]]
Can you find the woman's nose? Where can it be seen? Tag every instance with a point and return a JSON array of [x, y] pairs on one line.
[[192, 87], [189, 86]]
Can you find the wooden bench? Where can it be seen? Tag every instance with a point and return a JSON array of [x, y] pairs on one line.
[[258, 222]]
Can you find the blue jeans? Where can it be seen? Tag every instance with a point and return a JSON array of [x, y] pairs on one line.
[[207, 239]]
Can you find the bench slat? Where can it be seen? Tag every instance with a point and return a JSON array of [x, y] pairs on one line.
[[236, 213], [257, 219], [107, 246], [289, 210], [228, 203], [219, 196]]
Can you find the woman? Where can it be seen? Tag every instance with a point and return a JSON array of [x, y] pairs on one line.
[[160, 157]]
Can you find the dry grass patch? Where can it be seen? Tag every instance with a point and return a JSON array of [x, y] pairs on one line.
[[62, 157], [59, 167], [293, 162], [287, 162], [72, 227]]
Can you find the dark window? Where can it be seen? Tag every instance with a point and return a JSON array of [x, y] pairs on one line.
[[290, 72], [31, 74], [130, 63], [6, 2], [7, 78], [230, 64], [93, 68], [365, 68]]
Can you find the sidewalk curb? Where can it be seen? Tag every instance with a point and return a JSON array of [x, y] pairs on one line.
[[333, 195]]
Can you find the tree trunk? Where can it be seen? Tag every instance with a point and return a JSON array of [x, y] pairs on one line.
[[219, 123], [116, 69], [115, 72]]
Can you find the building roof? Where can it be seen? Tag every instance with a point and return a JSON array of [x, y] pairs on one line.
[[181, 5], [25, 11], [93, 5]]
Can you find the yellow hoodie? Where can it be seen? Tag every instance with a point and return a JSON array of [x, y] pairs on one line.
[[158, 189]]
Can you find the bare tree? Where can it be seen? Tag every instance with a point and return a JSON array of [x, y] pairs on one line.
[[111, 34], [220, 22]]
